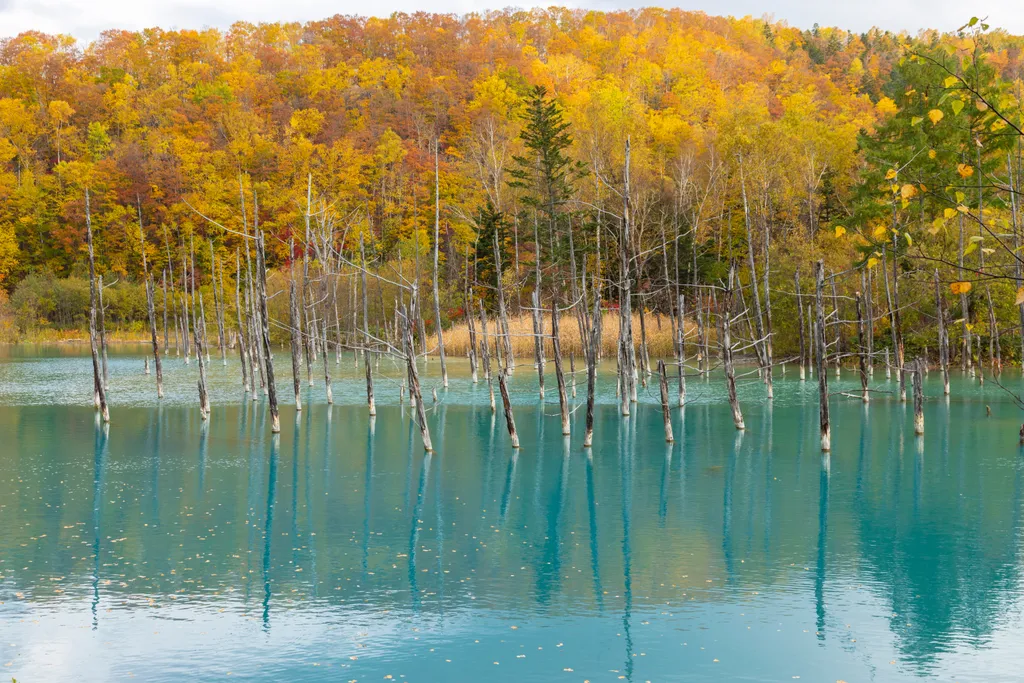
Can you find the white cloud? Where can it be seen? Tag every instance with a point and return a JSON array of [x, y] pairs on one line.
[[85, 19]]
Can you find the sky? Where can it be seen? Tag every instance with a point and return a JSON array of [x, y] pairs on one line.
[[85, 19]]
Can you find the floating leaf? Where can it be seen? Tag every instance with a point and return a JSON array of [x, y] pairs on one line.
[[935, 115], [960, 287]]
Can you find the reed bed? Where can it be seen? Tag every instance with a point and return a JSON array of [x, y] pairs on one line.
[[659, 335]]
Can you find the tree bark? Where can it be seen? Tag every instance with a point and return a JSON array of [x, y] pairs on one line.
[[821, 357]]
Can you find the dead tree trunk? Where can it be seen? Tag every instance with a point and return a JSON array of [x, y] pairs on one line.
[[243, 343], [485, 349], [268, 358], [294, 321], [803, 339], [510, 420], [151, 310], [538, 343], [918, 397], [821, 357], [861, 351], [681, 348], [940, 314], [591, 350], [99, 390], [370, 403], [556, 347], [103, 336], [414, 380], [437, 248], [665, 413], [726, 347]]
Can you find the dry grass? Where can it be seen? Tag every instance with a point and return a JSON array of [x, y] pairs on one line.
[[659, 341]]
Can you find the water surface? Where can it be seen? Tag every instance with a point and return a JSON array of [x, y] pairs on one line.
[[162, 548]]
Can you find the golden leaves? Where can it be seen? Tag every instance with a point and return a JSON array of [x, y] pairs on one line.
[[1020, 297], [957, 106], [879, 232], [960, 287], [840, 231], [890, 174], [935, 115], [872, 262], [965, 170], [908, 191]]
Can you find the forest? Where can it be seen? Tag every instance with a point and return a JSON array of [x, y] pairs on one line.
[[666, 181]]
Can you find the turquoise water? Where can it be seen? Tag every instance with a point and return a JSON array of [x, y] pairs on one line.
[[164, 549]]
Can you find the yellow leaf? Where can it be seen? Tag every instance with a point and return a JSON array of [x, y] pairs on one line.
[[879, 232], [872, 262], [950, 81], [980, 105], [1020, 297], [908, 191], [948, 213], [965, 170], [960, 287], [935, 115], [914, 120], [957, 106], [931, 154], [890, 174], [840, 231]]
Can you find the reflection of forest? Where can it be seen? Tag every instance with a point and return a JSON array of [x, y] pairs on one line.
[[339, 511]]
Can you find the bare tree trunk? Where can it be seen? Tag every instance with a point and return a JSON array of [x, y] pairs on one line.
[[966, 360], [437, 248], [470, 324], [204, 396], [940, 314], [294, 321], [218, 301], [243, 343], [869, 314], [861, 353], [510, 420], [591, 351], [665, 414], [151, 310], [485, 348], [99, 389], [503, 328], [838, 338], [268, 358], [726, 347], [556, 346], [918, 398], [163, 279], [803, 339], [820, 357], [414, 380], [103, 337], [681, 347], [538, 342], [371, 404], [627, 354]]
